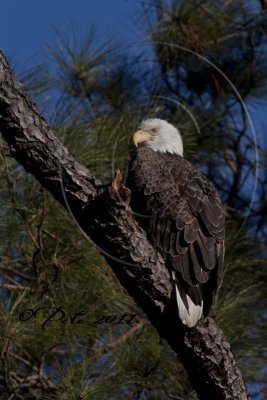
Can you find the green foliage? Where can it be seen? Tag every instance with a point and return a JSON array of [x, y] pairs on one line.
[[100, 94]]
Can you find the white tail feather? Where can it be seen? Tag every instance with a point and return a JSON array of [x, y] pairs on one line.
[[189, 313]]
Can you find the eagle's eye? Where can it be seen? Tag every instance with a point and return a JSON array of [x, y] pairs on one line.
[[153, 130]]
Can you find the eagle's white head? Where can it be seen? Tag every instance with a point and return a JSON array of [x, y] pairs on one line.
[[160, 136]]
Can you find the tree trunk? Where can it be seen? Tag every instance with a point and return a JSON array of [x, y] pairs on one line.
[[107, 221]]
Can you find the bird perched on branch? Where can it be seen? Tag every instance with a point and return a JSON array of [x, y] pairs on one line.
[[182, 214]]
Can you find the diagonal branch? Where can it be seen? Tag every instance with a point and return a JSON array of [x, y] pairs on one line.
[[100, 212]]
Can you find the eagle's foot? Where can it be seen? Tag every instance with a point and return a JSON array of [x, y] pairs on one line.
[[119, 190], [117, 182]]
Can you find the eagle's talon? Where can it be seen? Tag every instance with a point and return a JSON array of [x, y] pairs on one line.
[[126, 195], [116, 184], [121, 192]]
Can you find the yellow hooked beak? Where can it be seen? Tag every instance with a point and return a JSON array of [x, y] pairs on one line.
[[141, 136]]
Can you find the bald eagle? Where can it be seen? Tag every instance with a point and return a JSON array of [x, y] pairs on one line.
[[182, 214]]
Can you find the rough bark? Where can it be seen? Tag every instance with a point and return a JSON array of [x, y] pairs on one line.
[[204, 350]]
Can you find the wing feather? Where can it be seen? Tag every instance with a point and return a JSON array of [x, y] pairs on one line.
[[190, 234], [180, 245], [201, 275]]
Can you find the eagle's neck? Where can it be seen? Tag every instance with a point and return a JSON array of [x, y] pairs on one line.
[[174, 147]]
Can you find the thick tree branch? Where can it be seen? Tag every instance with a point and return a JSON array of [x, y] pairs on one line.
[[102, 214]]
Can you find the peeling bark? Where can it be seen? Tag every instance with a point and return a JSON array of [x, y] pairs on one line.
[[204, 350]]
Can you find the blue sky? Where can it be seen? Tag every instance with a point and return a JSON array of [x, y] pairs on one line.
[[27, 26]]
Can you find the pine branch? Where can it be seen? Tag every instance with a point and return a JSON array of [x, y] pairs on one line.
[[99, 210]]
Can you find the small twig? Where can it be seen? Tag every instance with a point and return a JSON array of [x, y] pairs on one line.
[[26, 362], [52, 236], [9, 286]]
